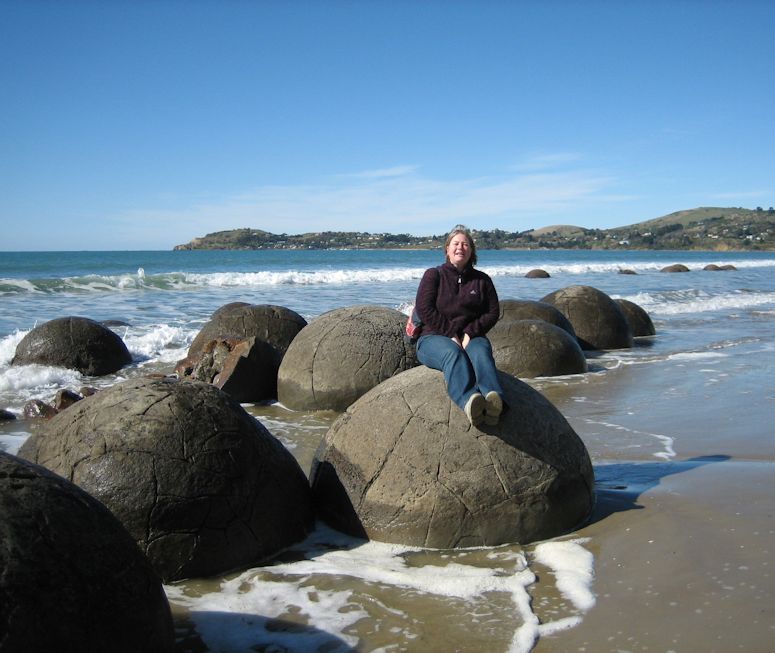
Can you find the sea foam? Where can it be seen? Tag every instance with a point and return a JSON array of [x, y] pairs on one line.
[[299, 589]]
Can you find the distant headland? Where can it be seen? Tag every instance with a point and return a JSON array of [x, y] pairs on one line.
[[705, 228]]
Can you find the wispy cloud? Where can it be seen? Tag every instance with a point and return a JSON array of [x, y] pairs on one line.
[[395, 171], [397, 199]]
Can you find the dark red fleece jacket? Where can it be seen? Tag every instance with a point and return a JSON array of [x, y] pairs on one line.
[[452, 303]]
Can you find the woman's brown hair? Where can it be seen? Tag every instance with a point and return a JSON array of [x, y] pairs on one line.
[[461, 229]]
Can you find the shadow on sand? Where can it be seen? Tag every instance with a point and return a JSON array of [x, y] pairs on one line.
[[252, 632], [618, 486]]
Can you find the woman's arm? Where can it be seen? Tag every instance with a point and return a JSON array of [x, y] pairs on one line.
[[425, 305], [489, 317]]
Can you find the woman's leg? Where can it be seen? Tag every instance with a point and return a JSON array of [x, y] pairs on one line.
[[479, 352], [441, 353]]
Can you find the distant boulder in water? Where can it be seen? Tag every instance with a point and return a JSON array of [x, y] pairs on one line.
[[677, 267], [637, 318], [598, 321], [76, 343], [537, 274]]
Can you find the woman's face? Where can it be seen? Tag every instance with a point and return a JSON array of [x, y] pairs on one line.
[[459, 250]]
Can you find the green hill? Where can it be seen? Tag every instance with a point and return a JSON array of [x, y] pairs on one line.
[[704, 228]]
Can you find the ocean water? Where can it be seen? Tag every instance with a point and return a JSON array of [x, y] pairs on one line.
[[678, 428]]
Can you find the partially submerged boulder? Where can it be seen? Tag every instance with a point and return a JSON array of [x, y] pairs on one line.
[[677, 267], [529, 309], [532, 348], [404, 465], [341, 355], [72, 577], [538, 273], [598, 321], [637, 317], [201, 485], [240, 349], [76, 343]]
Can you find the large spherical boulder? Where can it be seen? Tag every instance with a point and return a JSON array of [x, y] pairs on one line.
[[341, 355], [404, 465], [531, 348], [76, 343], [71, 577], [637, 317], [250, 374], [201, 485], [596, 318], [538, 273], [529, 309]]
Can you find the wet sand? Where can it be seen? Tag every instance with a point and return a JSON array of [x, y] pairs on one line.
[[682, 542], [684, 566]]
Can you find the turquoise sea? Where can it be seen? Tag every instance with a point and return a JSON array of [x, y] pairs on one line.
[[677, 556]]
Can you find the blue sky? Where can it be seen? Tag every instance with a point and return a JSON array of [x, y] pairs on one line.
[[141, 125]]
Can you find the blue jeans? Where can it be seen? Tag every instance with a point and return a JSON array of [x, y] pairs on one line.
[[466, 371]]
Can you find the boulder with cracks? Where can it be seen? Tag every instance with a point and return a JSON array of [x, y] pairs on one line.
[[404, 465], [341, 355], [201, 485]]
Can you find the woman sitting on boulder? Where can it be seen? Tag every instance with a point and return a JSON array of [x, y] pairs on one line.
[[458, 305]]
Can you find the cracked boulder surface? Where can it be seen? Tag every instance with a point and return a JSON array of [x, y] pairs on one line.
[[532, 348], [71, 577], [403, 465], [201, 486], [637, 317], [598, 321], [76, 343], [236, 366], [341, 355], [267, 331]]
